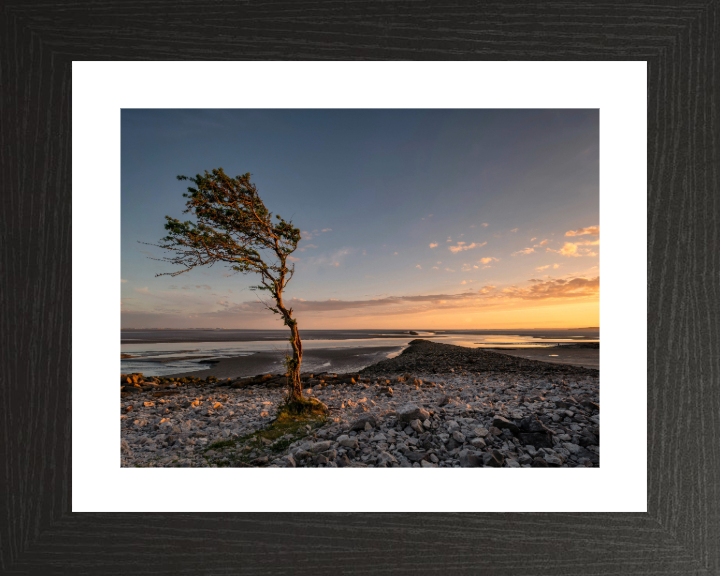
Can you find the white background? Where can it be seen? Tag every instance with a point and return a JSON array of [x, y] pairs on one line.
[[102, 89]]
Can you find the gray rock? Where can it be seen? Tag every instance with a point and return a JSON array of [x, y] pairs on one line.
[[539, 463], [417, 426], [415, 456], [452, 426], [343, 461], [478, 442], [469, 460], [500, 422], [411, 412], [532, 424], [458, 436], [384, 459], [494, 459], [359, 424], [321, 446], [536, 439], [570, 447]]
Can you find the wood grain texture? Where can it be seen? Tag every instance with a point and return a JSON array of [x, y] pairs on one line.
[[681, 532]]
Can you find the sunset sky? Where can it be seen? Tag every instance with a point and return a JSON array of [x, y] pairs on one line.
[[435, 219]]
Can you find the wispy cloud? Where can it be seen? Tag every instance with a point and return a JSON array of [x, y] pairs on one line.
[[488, 260], [484, 224], [542, 243], [590, 231], [418, 266], [461, 246], [569, 249], [309, 235], [433, 245], [122, 281], [514, 230], [293, 259], [525, 251]]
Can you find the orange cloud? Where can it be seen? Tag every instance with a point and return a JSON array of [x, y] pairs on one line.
[[433, 245], [525, 251], [574, 249], [590, 231], [462, 246], [488, 260], [573, 288]]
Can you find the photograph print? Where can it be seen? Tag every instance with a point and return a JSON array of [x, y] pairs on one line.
[[335, 288]]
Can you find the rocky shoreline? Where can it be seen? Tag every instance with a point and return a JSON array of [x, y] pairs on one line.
[[435, 405]]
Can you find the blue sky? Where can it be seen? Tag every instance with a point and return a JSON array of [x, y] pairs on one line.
[[410, 218]]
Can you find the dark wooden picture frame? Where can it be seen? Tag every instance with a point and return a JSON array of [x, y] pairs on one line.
[[680, 533]]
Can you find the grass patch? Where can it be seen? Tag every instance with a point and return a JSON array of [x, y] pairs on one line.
[[305, 407], [294, 422], [221, 444]]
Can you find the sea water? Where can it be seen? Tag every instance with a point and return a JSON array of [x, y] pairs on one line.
[[162, 352]]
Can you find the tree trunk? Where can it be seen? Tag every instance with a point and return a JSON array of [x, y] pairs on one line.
[[293, 375], [294, 385]]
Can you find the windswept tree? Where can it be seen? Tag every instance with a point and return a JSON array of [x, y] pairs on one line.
[[234, 228]]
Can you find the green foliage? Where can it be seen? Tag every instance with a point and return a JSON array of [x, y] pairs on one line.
[[232, 226]]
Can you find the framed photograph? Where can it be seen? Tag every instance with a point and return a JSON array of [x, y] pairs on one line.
[[435, 409], [413, 334]]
